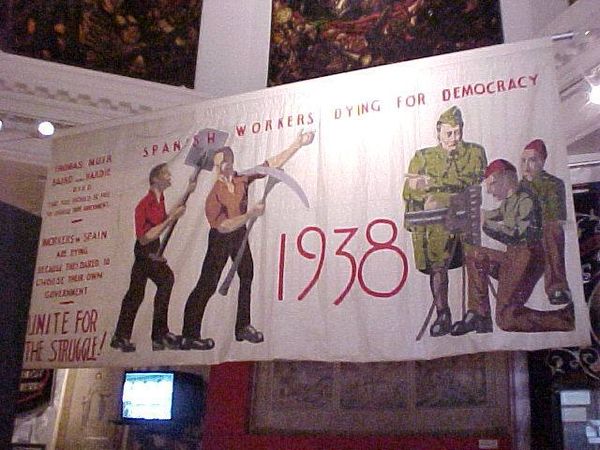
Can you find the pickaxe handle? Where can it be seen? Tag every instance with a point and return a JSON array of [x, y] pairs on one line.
[[169, 231], [236, 262], [271, 182]]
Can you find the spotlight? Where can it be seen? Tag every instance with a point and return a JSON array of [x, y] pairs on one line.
[[45, 128], [594, 95]]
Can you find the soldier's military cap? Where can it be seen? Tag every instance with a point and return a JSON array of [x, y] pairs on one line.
[[498, 165], [452, 117], [539, 147]]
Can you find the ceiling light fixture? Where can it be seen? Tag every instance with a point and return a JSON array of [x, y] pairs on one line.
[[594, 95], [45, 128], [15, 128]]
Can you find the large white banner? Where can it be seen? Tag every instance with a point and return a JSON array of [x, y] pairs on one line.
[[412, 211]]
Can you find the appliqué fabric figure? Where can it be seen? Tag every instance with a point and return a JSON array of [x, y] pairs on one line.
[[550, 191], [151, 220], [227, 212], [435, 174], [517, 224]]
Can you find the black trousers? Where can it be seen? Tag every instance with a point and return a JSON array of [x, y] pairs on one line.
[[160, 273], [221, 246]]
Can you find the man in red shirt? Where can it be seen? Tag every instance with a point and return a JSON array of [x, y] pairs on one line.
[[151, 220], [227, 213]]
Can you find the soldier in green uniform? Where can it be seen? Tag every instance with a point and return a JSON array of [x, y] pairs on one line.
[[550, 192], [434, 175]]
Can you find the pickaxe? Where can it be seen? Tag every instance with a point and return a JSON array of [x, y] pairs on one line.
[[275, 176]]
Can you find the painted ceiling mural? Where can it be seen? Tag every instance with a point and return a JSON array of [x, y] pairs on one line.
[[155, 40], [314, 38]]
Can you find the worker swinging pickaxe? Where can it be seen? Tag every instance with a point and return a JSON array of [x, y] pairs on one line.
[[229, 216]]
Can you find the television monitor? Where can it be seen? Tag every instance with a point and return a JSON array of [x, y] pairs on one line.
[[162, 397]]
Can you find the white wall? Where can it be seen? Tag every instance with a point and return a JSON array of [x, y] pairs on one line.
[[233, 52], [40, 427], [523, 19]]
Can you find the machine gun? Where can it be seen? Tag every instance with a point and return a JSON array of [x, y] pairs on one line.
[[462, 216]]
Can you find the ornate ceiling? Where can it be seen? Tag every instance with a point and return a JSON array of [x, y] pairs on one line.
[[31, 90]]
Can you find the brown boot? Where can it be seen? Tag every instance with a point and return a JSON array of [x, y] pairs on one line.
[[442, 324], [438, 283]]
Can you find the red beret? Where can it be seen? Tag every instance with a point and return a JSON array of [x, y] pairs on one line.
[[498, 165], [538, 146]]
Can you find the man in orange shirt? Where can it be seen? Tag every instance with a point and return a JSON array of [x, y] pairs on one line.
[[227, 213]]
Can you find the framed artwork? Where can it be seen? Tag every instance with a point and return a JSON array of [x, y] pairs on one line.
[[465, 394], [90, 406], [231, 421], [155, 40], [314, 38]]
